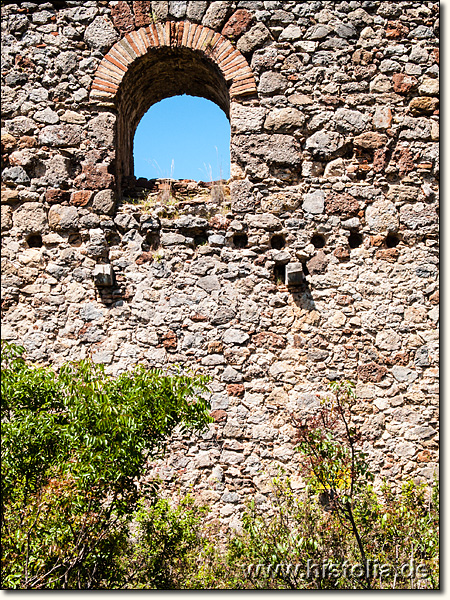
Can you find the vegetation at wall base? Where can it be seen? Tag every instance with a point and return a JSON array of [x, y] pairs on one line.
[[78, 513], [75, 447]]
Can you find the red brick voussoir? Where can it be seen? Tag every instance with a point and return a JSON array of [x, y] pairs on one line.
[[135, 44]]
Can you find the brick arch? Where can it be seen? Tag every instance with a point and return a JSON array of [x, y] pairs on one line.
[[184, 34], [160, 61]]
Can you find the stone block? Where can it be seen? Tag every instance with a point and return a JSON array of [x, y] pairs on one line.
[[294, 274], [103, 275]]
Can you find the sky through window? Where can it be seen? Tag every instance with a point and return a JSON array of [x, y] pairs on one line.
[[183, 137]]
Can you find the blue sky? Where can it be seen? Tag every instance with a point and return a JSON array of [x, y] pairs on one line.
[[192, 132]]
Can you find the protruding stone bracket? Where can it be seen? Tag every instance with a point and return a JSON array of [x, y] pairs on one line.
[[294, 274], [103, 276], [183, 34]]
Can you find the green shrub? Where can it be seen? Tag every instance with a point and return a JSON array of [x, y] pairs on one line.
[[74, 447]]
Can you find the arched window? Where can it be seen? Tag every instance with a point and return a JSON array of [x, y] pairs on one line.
[[161, 61], [183, 137]]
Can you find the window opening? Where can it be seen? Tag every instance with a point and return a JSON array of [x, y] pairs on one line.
[[183, 137]]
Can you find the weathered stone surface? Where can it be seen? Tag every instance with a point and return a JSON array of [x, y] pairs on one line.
[[371, 372], [254, 38], [100, 34], [16, 175], [326, 145], [6, 217], [80, 198], [314, 202], [122, 16], [31, 217], [235, 336], [209, 283], [104, 202], [318, 264], [403, 84], [418, 215], [47, 116], [370, 140], [142, 13], [429, 87], [63, 218], [101, 130], [350, 121], [246, 118], [341, 204], [318, 32], [424, 105], [94, 177], [284, 119], [264, 221], [272, 82], [60, 135], [388, 340], [242, 195], [382, 216], [216, 14], [196, 10]]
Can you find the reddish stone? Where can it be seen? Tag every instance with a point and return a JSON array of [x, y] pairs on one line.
[[404, 83], [267, 339], [434, 298], [27, 141], [80, 198], [318, 263], [219, 222], [142, 13], [122, 17], [396, 29], [169, 340], [389, 254], [379, 160], [435, 54], [144, 257], [370, 140], [94, 177], [371, 372], [8, 142], [342, 253], [404, 160], [237, 24], [377, 240], [362, 57], [424, 456], [218, 415], [341, 204], [57, 196], [344, 300], [424, 105], [215, 347], [328, 99], [23, 62], [197, 318], [401, 358], [236, 389]]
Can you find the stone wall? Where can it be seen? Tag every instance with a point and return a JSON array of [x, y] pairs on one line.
[[318, 260]]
